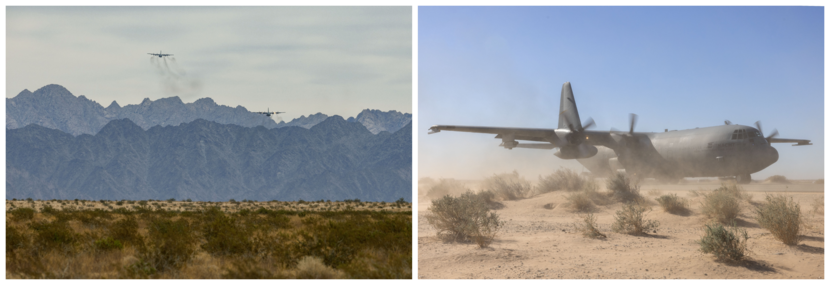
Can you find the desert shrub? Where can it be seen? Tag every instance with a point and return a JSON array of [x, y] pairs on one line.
[[777, 179], [14, 239], [562, 179], [443, 188], [631, 220], [722, 204], [371, 265], [723, 243], [108, 243], [139, 269], [312, 267], [247, 268], [170, 244], [20, 214], [782, 217], [225, 236], [508, 186], [463, 218], [621, 189], [818, 206], [655, 192], [589, 227], [54, 236], [580, 201], [673, 204], [47, 209]]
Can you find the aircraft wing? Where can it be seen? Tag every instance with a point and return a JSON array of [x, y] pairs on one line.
[[797, 141], [527, 134]]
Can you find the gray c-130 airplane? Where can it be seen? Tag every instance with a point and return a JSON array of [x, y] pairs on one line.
[[723, 151]]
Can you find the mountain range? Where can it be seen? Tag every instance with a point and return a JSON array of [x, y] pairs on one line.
[[335, 159], [54, 107]]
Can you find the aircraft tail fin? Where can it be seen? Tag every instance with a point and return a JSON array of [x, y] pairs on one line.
[[567, 109]]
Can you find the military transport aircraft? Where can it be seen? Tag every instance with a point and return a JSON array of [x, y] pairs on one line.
[[724, 151], [269, 113], [160, 54]]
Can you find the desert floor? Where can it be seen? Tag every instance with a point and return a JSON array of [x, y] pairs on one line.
[[229, 207], [541, 243]]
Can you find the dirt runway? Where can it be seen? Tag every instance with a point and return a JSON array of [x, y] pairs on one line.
[[542, 243]]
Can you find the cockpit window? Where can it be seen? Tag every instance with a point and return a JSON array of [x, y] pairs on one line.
[[754, 134]]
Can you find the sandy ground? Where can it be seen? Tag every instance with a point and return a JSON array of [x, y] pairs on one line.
[[540, 243]]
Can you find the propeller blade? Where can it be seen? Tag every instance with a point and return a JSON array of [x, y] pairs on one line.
[[632, 119], [773, 134], [589, 124], [758, 124], [570, 124]]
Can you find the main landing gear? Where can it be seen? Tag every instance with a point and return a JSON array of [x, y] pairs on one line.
[[743, 178]]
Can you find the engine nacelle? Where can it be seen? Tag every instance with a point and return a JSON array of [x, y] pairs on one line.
[[576, 151]]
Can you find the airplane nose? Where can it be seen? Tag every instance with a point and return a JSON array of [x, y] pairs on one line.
[[771, 156]]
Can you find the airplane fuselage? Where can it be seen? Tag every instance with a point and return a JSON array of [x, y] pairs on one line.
[[728, 150]]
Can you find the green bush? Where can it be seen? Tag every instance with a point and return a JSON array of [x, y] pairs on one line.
[[631, 220], [722, 205], [673, 204], [225, 236], [20, 214], [126, 230], [14, 239], [621, 189], [723, 243], [508, 186], [47, 209], [56, 235], [562, 179], [782, 217], [171, 244], [464, 218], [108, 243]]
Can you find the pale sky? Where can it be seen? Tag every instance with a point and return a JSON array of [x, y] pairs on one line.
[[300, 60], [676, 67]]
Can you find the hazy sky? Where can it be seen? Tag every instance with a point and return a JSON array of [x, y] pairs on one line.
[[676, 67], [301, 60]]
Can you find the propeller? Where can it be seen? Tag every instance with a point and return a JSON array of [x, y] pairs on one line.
[[772, 135], [621, 137], [576, 136], [587, 125]]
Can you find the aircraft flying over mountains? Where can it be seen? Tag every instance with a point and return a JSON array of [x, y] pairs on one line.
[[269, 113], [160, 54], [724, 151]]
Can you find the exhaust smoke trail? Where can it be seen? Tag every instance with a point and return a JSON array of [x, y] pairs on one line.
[[174, 81]]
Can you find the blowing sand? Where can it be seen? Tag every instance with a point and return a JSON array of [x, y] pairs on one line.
[[541, 243]]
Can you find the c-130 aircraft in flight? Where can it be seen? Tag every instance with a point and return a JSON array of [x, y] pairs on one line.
[[723, 151]]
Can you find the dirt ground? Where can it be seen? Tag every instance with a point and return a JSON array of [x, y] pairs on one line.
[[541, 243]]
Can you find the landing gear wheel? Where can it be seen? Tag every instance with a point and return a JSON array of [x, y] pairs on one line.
[[743, 178]]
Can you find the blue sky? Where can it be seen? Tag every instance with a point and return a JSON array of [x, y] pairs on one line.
[[676, 67], [300, 60]]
